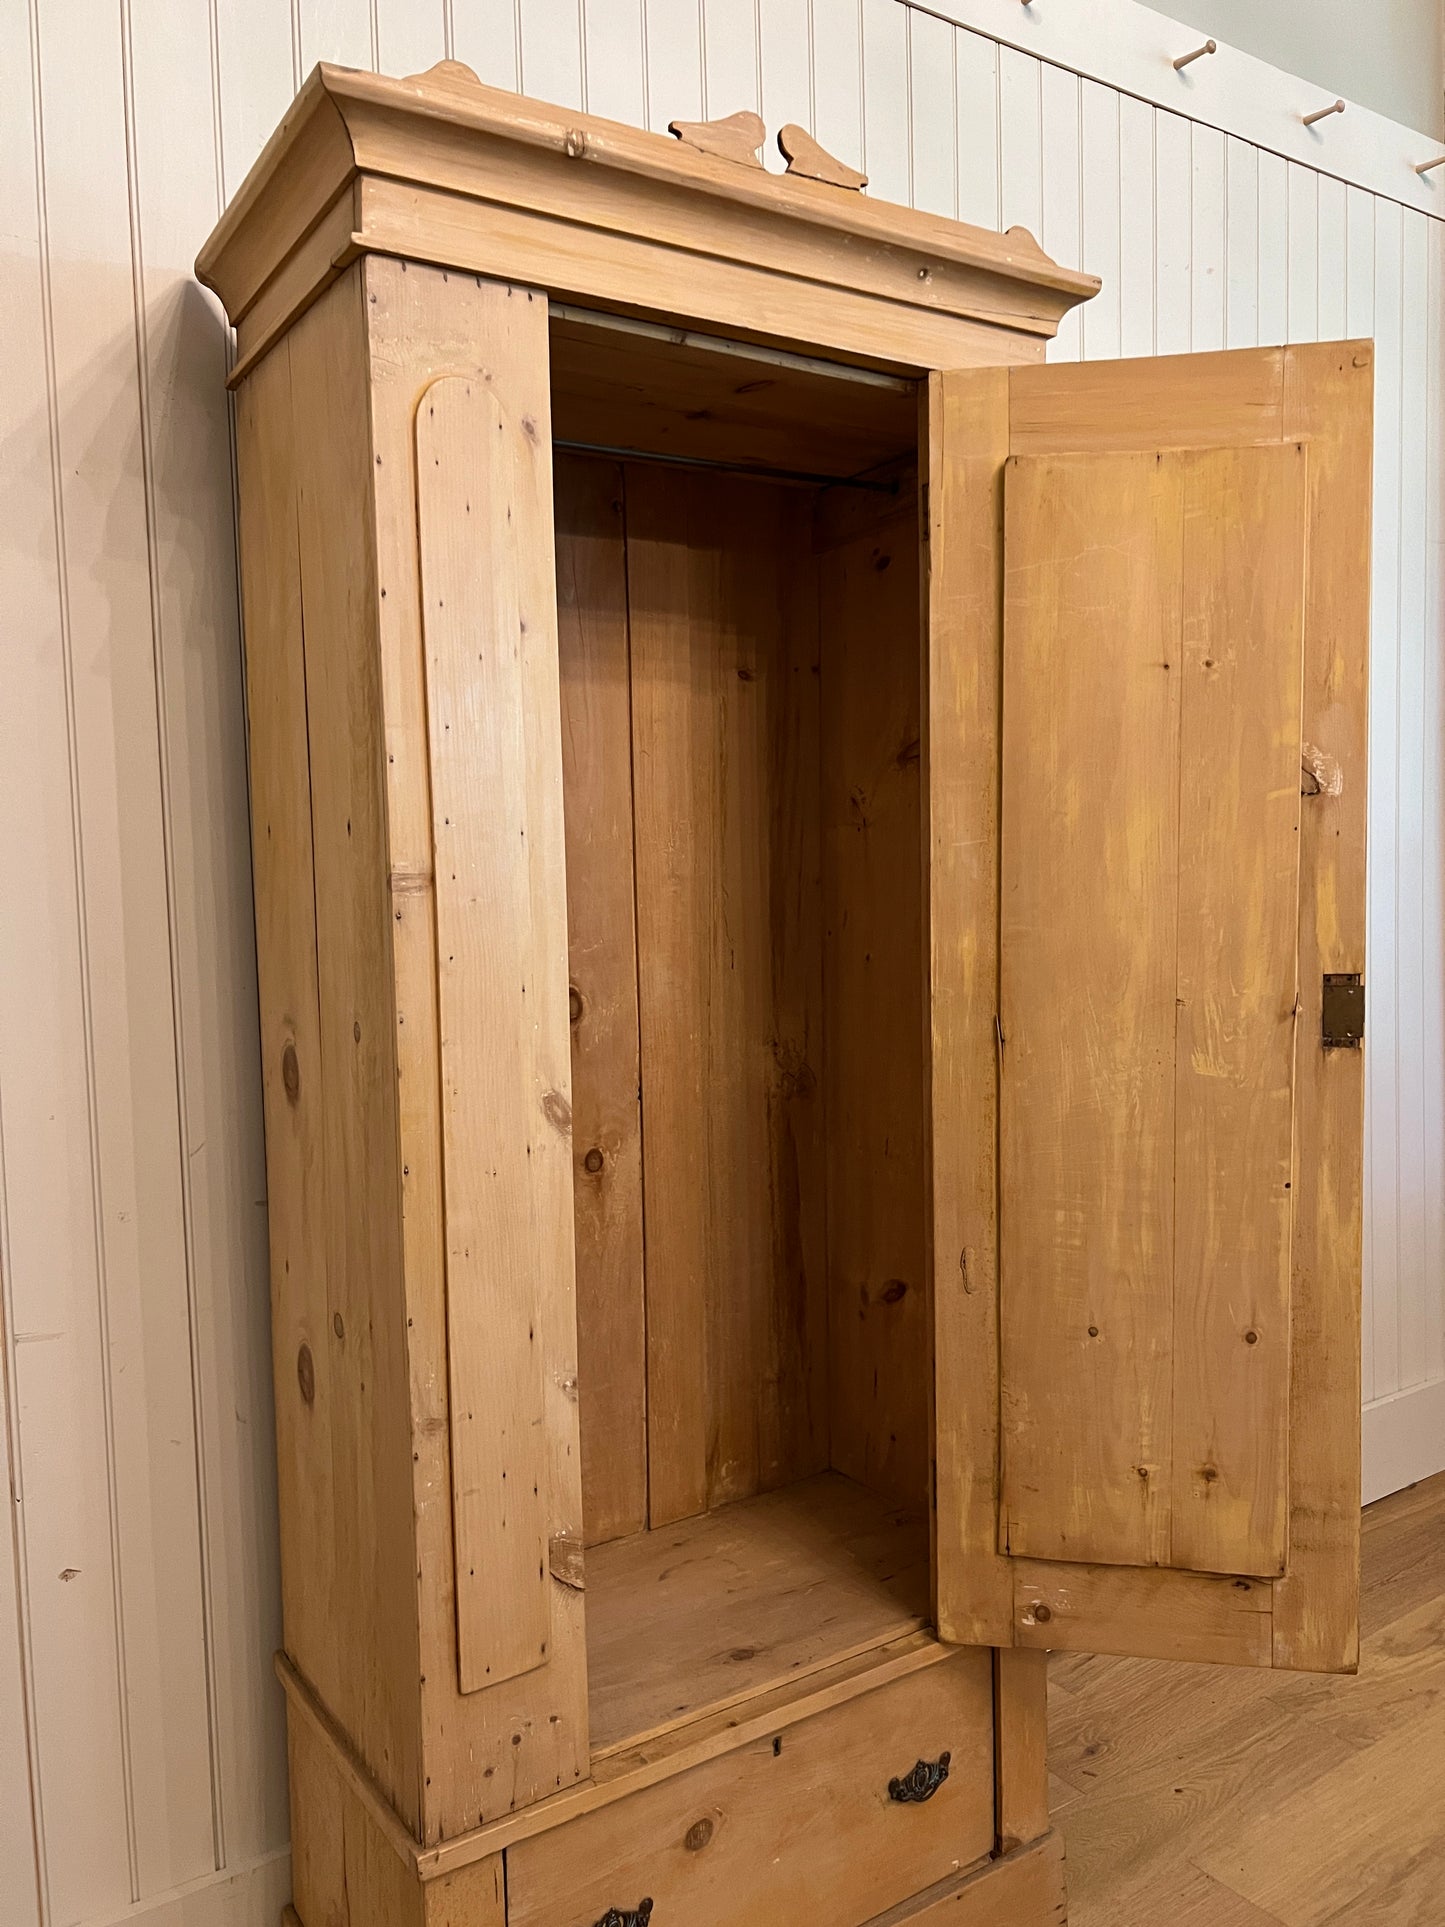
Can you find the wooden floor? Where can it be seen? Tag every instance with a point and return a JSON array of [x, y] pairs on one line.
[[1196, 1796]]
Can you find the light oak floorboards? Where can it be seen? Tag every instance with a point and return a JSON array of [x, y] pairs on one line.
[[1214, 1797]]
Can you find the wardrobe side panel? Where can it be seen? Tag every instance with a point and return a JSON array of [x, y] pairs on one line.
[[506, 1744], [323, 926]]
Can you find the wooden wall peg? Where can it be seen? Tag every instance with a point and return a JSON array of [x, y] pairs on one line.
[[814, 163], [738, 138]]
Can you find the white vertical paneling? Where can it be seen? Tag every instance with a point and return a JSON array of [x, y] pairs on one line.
[[731, 58], [1136, 227], [487, 35], [410, 35], [975, 67], [38, 996], [1409, 930], [552, 53], [1432, 1037], [257, 53], [1272, 236], [838, 78], [337, 30], [1241, 245], [1382, 1013], [674, 59], [1020, 140], [1208, 268], [885, 99], [89, 1359], [1102, 194], [1173, 181], [933, 117], [1330, 259], [612, 71], [786, 67], [185, 436], [1359, 322], [1303, 293], [1062, 162]]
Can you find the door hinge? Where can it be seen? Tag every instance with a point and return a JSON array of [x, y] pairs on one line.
[[1342, 1010]]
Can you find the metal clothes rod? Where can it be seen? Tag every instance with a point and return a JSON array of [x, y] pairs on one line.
[[799, 475]]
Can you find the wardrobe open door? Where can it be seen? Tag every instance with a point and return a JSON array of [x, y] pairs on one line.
[[1148, 593]]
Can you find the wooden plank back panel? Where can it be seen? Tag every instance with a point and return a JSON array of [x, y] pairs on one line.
[[484, 491], [602, 955], [725, 760], [1091, 681], [1236, 996], [879, 1341]]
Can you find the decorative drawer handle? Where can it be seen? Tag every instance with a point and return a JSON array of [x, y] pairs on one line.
[[637, 1916], [920, 1783]]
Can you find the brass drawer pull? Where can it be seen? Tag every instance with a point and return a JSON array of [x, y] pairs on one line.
[[637, 1916], [920, 1783]]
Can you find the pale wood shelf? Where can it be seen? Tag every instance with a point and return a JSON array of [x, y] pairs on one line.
[[708, 1612]]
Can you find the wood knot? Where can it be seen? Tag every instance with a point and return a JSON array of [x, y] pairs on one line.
[[558, 1112], [291, 1073], [697, 1835], [593, 1161], [306, 1374]]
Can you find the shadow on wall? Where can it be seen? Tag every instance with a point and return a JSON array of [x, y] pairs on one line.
[[141, 1053]]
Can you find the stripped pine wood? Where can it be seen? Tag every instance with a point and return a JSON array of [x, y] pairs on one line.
[[346, 1871], [423, 324], [187, 91], [719, 1843], [1252, 397], [715, 1610], [1329, 395], [478, 488], [1020, 1746], [966, 434], [290, 1017], [594, 669], [1088, 940], [725, 758], [1024, 1889], [374, 1623], [874, 1074], [1236, 990], [1150, 1612]]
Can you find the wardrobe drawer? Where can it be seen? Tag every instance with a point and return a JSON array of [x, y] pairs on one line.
[[796, 1827]]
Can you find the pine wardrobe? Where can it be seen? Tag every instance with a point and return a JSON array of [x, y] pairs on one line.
[[809, 878]]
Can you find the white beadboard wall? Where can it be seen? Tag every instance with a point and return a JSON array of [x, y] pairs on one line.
[[141, 1757]]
